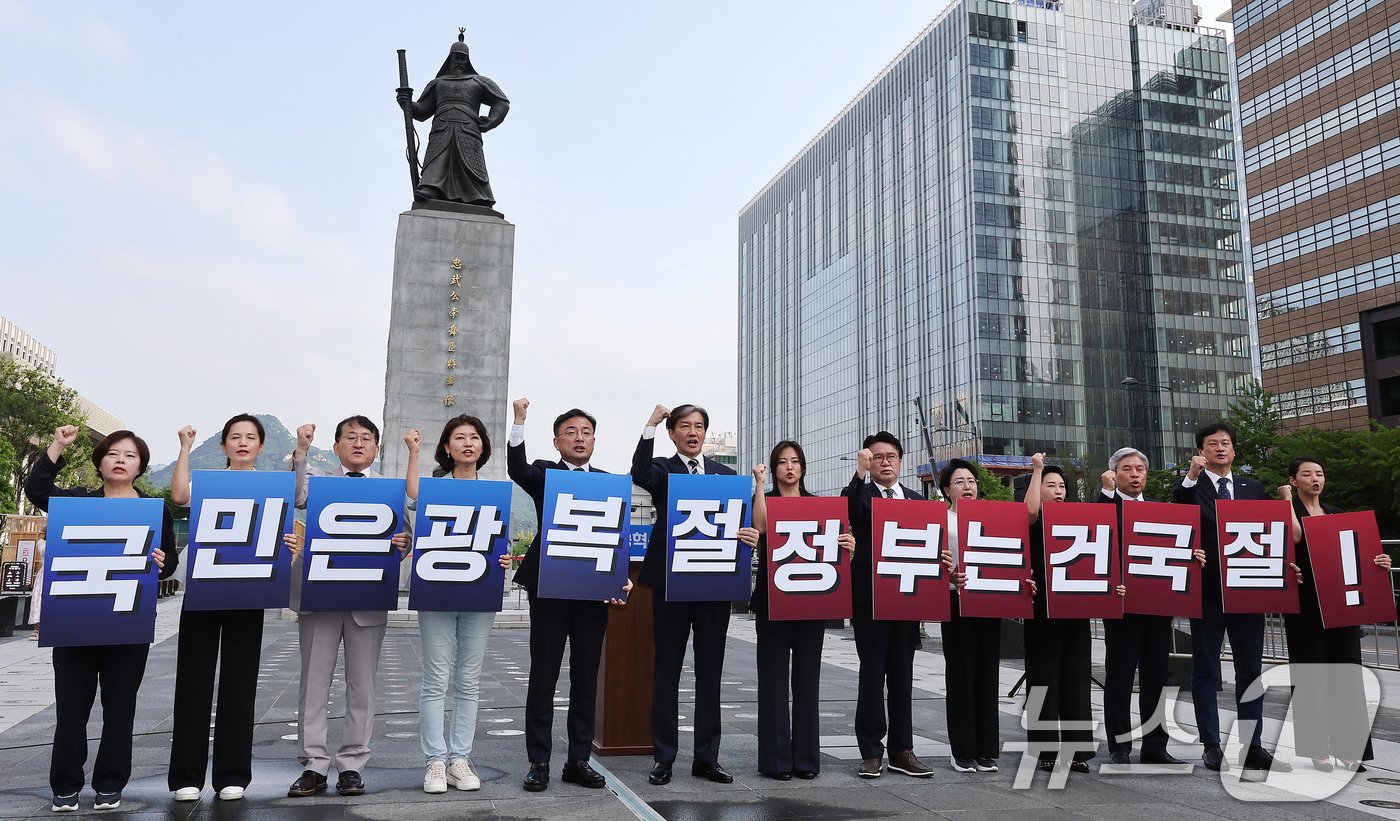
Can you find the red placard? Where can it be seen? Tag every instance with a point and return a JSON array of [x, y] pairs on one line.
[[1256, 549], [1082, 561], [909, 581], [1351, 588], [809, 575], [1161, 575], [994, 539]]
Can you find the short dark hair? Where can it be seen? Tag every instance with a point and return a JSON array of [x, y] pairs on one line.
[[444, 459], [110, 441], [362, 421], [1298, 462], [242, 417], [945, 476], [682, 411], [801, 460], [1215, 427], [573, 413], [886, 437], [1051, 469]]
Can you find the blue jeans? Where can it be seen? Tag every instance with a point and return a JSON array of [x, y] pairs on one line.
[[1246, 644], [453, 643]]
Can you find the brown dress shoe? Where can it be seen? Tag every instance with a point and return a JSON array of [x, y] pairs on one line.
[[909, 764], [870, 767]]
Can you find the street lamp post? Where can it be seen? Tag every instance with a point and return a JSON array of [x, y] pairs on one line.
[[1169, 439]]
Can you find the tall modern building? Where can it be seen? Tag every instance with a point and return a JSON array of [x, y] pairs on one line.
[[1031, 203], [1319, 88]]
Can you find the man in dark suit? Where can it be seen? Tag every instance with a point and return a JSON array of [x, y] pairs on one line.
[[555, 621], [1135, 643], [673, 621], [1209, 480], [886, 648]]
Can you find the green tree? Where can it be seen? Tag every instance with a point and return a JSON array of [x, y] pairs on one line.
[[992, 486], [32, 405], [9, 469], [1363, 469], [1256, 422]]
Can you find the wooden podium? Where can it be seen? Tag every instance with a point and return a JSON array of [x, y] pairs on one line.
[[624, 676]]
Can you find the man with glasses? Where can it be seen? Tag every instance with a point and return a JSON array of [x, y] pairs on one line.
[[886, 648]]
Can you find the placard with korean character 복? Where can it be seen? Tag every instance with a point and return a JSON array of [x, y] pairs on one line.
[[461, 530], [99, 578], [350, 562], [1160, 571], [1256, 549], [237, 558], [1351, 588], [809, 573], [908, 579], [705, 561], [1081, 560], [993, 540], [584, 535]]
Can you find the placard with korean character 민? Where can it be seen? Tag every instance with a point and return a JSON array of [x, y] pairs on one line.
[[1351, 588], [1160, 572], [809, 573], [350, 562], [1256, 549], [460, 532], [237, 558], [1082, 560], [908, 579], [99, 578], [705, 561], [585, 535], [993, 538]]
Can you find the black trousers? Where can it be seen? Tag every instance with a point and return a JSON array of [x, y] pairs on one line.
[[972, 653], [1140, 644], [1057, 670], [552, 623], [789, 648], [232, 640], [77, 671], [886, 651], [671, 626], [1329, 697]]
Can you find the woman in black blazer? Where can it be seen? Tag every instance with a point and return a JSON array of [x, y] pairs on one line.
[[1330, 702]]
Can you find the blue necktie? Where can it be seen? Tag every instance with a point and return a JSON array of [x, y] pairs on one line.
[[1223, 488]]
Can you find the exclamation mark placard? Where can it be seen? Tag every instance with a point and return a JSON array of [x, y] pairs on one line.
[[1351, 560]]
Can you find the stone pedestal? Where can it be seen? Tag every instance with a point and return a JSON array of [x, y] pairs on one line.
[[439, 254]]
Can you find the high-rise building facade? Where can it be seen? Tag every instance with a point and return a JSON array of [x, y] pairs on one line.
[[1319, 89], [1031, 203]]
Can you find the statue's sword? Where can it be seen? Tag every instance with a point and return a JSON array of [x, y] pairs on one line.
[[412, 151]]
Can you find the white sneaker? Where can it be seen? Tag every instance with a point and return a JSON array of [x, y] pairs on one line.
[[187, 794], [230, 793], [435, 779], [460, 775]]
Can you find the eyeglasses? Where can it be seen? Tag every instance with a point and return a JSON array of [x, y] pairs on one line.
[[885, 457], [963, 483], [353, 438]]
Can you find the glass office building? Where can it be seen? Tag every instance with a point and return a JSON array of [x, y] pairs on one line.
[[1031, 203], [1319, 87]]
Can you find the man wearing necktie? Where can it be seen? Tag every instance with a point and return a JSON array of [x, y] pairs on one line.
[[553, 622], [1211, 479], [886, 648], [672, 622]]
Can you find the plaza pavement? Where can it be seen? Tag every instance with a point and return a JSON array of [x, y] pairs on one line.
[[395, 773]]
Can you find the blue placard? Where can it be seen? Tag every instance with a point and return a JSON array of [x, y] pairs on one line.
[[583, 535], [461, 531], [350, 562], [237, 559], [99, 578], [637, 541], [705, 561]]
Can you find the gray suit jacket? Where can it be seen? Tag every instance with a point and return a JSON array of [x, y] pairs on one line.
[[364, 618]]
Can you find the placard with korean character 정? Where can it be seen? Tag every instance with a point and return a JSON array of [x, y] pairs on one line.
[[809, 573]]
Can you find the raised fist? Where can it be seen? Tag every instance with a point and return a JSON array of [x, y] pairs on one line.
[[658, 415], [863, 460], [65, 436], [1110, 483], [412, 438], [186, 435], [520, 406]]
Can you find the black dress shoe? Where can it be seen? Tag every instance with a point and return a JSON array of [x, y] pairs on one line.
[[805, 775], [1121, 758], [580, 773], [1079, 767], [310, 783], [350, 783], [537, 779], [1045, 765], [660, 773], [1162, 757], [778, 776], [711, 771], [1259, 758], [1214, 759]]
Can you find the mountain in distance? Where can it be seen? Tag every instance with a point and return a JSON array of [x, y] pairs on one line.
[[280, 442]]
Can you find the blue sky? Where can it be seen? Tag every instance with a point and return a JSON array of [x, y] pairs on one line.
[[201, 199]]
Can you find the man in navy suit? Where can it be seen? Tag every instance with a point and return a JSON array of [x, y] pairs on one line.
[[555, 621], [886, 648], [673, 621], [1209, 480]]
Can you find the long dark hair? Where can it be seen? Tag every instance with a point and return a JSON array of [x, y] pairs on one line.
[[444, 459], [228, 426], [801, 460]]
